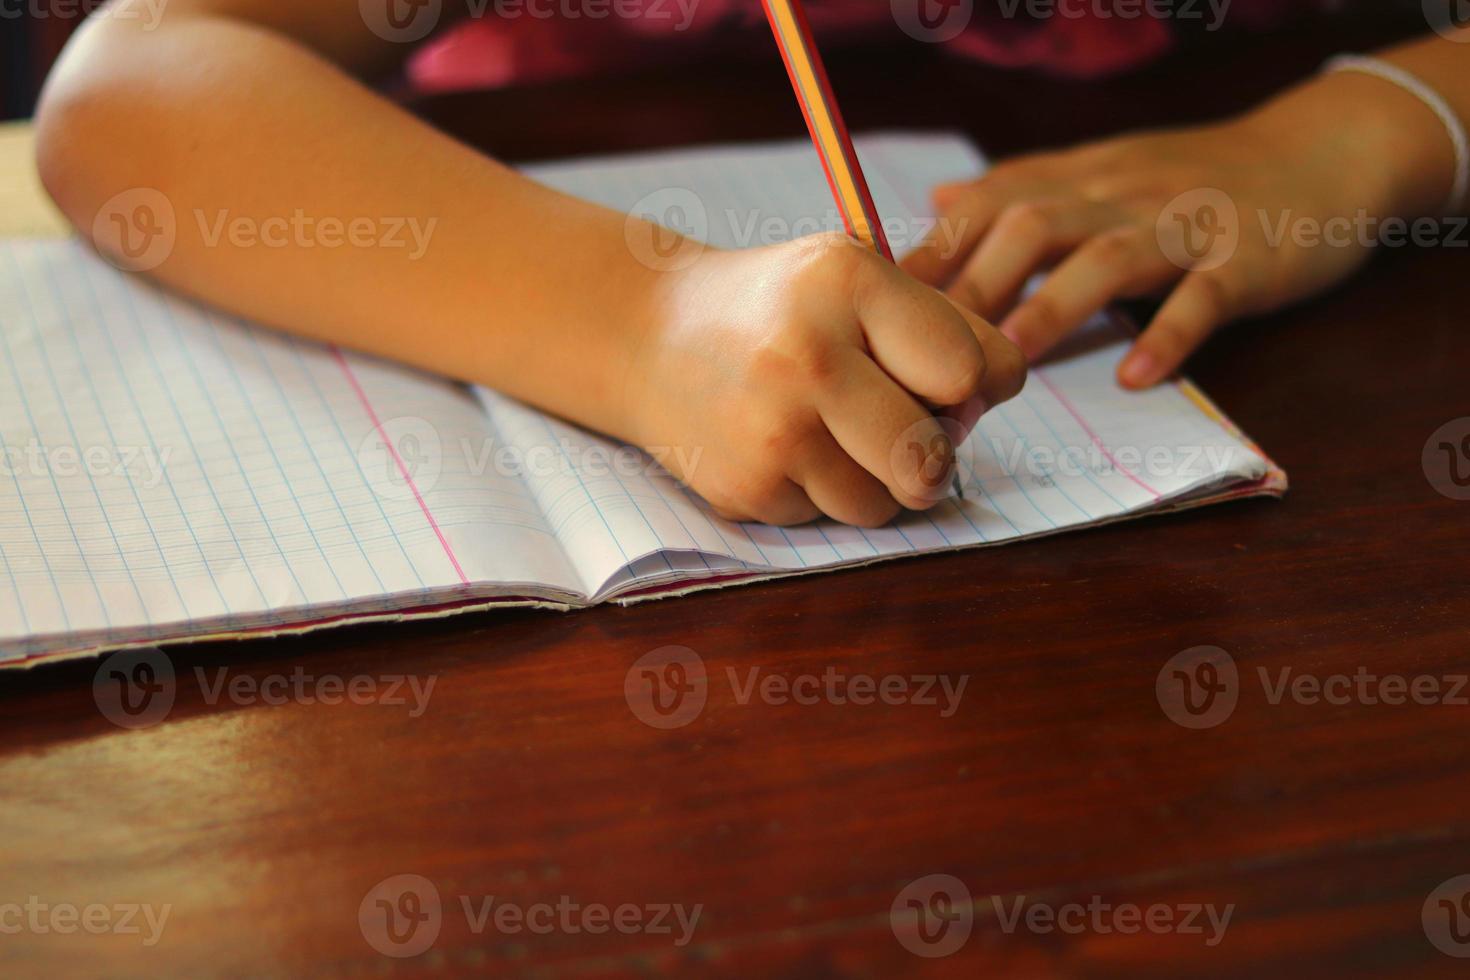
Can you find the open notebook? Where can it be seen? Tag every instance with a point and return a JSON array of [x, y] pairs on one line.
[[169, 473]]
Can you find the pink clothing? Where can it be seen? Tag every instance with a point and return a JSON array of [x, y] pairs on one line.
[[521, 41]]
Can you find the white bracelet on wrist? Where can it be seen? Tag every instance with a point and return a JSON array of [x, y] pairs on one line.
[[1455, 203]]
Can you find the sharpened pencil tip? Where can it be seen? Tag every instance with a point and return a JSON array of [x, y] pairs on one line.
[[959, 490]]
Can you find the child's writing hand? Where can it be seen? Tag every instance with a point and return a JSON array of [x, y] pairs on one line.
[[1209, 216], [804, 373]]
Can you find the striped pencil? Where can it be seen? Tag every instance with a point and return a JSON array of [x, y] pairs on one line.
[[828, 131]]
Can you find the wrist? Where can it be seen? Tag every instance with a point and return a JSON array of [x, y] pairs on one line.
[[666, 309], [1364, 141]]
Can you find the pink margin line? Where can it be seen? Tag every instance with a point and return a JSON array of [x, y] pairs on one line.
[[1067, 404], [403, 470]]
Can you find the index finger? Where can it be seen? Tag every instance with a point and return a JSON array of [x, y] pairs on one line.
[[957, 230], [929, 344]]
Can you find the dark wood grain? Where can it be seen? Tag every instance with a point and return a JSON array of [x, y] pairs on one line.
[[1059, 778]]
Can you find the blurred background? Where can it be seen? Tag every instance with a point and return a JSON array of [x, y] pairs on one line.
[[30, 37]]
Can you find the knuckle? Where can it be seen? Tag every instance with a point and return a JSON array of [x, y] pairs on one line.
[[763, 496], [1114, 250], [1030, 219], [1042, 309], [967, 373], [1013, 378], [875, 510], [804, 361], [1008, 371], [1214, 294], [817, 362], [781, 441], [829, 258]]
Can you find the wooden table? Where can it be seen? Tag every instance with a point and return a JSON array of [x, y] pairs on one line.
[[1059, 780]]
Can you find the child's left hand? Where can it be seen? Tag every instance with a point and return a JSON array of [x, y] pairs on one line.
[[1209, 215]]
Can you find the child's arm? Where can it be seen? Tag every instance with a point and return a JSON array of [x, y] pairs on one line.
[[795, 369], [1228, 219]]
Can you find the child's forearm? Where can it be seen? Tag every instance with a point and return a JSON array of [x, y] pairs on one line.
[[1376, 136], [458, 264]]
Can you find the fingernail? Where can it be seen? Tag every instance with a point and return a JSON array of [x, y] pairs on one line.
[[1011, 329], [1139, 369], [968, 412]]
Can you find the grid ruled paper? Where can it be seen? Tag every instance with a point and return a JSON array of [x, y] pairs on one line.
[[168, 472], [164, 465]]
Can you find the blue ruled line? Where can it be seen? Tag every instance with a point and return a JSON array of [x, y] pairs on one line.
[[55, 487], [214, 334], [103, 413], [229, 525]]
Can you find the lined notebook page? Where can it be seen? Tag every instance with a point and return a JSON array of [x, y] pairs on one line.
[[165, 466], [1073, 449]]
